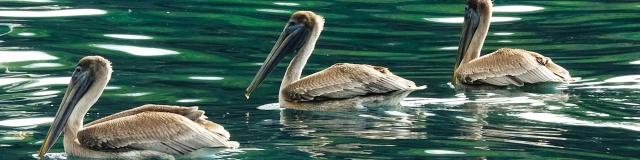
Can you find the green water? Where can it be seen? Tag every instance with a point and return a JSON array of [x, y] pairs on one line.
[[204, 53]]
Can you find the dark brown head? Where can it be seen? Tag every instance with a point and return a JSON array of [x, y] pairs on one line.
[[308, 18], [95, 65], [481, 6]]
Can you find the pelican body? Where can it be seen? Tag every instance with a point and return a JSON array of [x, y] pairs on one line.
[[503, 67], [149, 131], [342, 84]]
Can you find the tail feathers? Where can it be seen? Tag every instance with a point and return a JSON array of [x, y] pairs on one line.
[[220, 131], [410, 84]]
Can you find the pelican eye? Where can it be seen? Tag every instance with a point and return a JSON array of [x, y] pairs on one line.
[[76, 73]]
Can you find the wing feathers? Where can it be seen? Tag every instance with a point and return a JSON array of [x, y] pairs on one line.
[[190, 112], [345, 80], [512, 67], [150, 129]]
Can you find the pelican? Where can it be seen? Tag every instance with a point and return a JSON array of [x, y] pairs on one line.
[[148, 131], [342, 84], [503, 67]]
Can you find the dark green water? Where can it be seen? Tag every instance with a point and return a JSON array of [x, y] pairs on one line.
[[204, 53]]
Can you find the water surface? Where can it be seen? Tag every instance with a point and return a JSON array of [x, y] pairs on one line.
[[204, 53]]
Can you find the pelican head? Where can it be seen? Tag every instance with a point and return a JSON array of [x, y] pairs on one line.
[[475, 27], [87, 82], [294, 36]]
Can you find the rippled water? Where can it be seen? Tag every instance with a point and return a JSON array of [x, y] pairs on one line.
[[205, 53]]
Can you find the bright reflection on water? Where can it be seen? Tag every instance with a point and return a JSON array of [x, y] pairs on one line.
[[286, 3], [273, 10], [34, 1], [25, 122], [516, 8], [137, 51], [554, 118], [206, 78], [461, 19], [128, 36], [503, 34], [205, 53], [19, 56], [26, 34], [42, 65], [52, 13]]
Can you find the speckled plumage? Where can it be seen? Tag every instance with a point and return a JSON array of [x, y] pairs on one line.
[[168, 129], [511, 67], [503, 67], [345, 80]]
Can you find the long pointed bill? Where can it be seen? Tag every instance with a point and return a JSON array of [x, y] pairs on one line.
[[471, 22], [290, 40], [80, 83]]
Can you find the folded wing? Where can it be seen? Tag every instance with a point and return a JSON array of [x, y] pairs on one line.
[[168, 129], [512, 67], [345, 81]]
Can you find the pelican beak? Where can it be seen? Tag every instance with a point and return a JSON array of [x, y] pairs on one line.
[[291, 40], [81, 80], [471, 22]]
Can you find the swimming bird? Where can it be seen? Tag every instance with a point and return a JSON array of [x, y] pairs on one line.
[[503, 67], [148, 131], [342, 84]]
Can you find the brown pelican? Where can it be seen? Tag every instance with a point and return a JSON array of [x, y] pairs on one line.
[[503, 67], [340, 85], [149, 131]]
